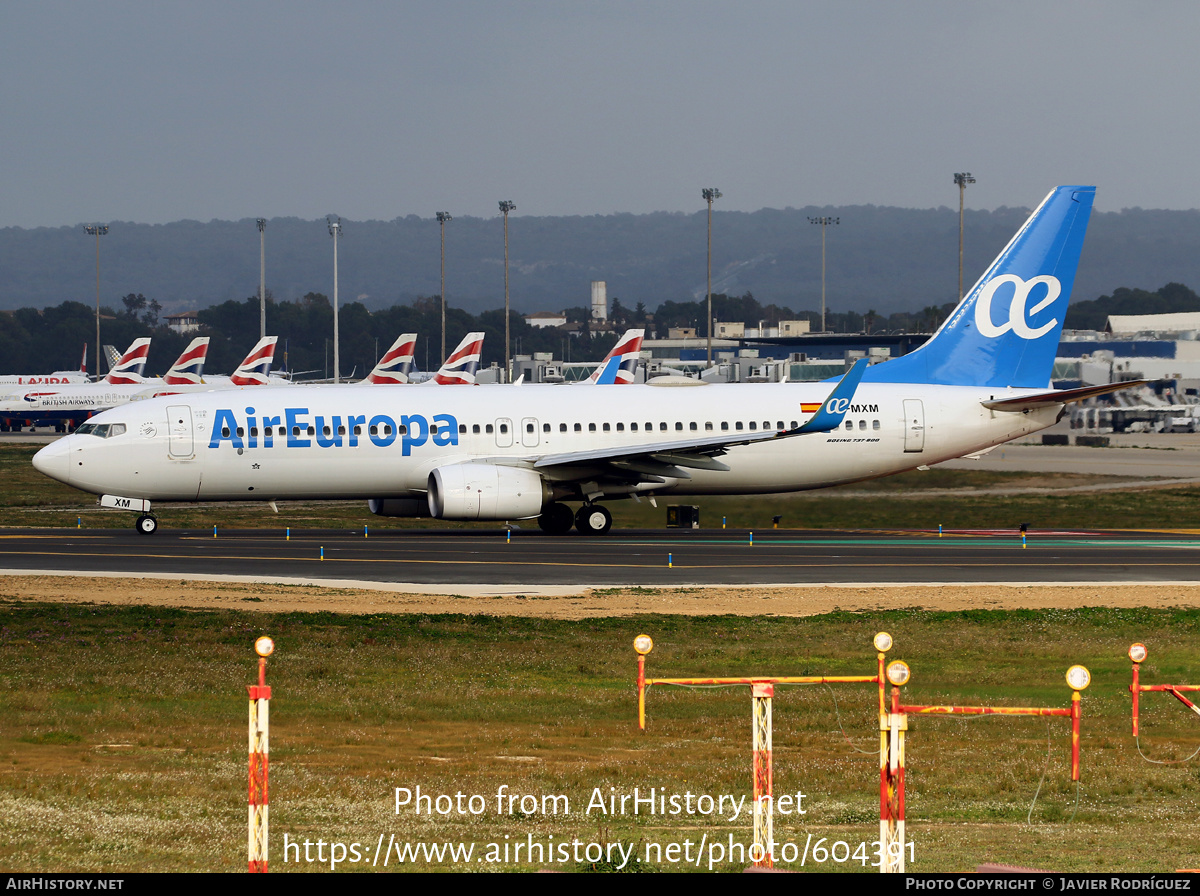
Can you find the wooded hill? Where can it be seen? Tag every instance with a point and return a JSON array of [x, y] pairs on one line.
[[878, 258]]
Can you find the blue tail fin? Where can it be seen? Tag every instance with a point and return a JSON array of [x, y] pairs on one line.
[[1006, 331]]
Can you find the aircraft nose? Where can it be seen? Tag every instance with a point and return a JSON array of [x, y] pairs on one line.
[[55, 460]]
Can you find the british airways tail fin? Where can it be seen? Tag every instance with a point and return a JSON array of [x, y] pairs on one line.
[[397, 362], [129, 370], [462, 365], [189, 368], [1005, 332], [256, 369], [620, 366]]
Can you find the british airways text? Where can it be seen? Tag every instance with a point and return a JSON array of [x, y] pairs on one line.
[[296, 425]]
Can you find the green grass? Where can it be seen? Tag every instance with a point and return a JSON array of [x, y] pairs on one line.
[[123, 741], [894, 502]]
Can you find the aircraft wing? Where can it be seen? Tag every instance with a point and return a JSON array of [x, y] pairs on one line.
[[668, 457], [1058, 396]]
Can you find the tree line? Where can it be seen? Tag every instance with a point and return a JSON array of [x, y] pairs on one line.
[[42, 340]]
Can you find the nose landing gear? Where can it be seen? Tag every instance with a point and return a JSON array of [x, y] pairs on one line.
[[146, 524]]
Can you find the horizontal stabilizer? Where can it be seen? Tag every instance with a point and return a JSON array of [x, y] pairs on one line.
[[1060, 396]]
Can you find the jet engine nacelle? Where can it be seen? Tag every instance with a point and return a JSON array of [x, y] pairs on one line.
[[410, 507], [486, 492]]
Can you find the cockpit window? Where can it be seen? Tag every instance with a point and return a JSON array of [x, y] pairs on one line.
[[101, 430]]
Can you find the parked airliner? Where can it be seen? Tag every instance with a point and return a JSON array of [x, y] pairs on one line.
[[518, 452], [125, 383]]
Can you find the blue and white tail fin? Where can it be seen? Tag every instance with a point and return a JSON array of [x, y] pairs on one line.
[[1006, 331]]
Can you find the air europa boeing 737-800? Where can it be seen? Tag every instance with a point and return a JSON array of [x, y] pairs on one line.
[[517, 452]]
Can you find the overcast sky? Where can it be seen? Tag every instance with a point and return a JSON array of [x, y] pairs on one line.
[[156, 112]]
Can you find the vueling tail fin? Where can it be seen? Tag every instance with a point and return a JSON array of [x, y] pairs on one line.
[[1005, 332]]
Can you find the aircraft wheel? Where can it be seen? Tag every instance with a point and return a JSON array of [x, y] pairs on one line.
[[592, 519], [146, 525], [556, 519]]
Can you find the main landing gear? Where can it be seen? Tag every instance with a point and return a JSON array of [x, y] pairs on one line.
[[556, 519], [146, 524], [592, 519]]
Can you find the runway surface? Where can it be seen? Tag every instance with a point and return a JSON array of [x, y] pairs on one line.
[[630, 557]]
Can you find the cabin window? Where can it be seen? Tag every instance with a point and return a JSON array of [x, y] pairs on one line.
[[753, 426], [678, 427], [312, 431], [862, 424], [633, 427], [724, 426], [875, 425], [562, 427], [254, 432], [224, 432], [503, 427], [620, 427], [607, 428], [795, 425], [780, 425], [545, 427], [283, 431], [738, 426], [579, 427], [693, 426], [849, 424], [488, 428], [326, 431], [529, 427], [341, 430], [475, 428], [591, 427], [241, 432], [462, 429], [708, 427]]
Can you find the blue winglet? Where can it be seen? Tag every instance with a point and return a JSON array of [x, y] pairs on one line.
[[834, 408]]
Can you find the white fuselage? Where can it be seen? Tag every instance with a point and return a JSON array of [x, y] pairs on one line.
[[382, 442]]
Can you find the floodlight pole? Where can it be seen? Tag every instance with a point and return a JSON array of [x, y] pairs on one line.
[[708, 194], [961, 180], [505, 207], [335, 231], [443, 217], [97, 230], [824, 222], [262, 278]]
